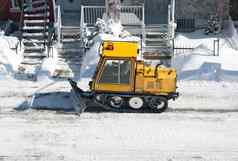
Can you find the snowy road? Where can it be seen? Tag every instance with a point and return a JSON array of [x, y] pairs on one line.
[[200, 126], [180, 136]]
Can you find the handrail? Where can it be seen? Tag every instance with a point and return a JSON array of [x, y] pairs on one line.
[[45, 19], [139, 6], [59, 25], [123, 8], [54, 9], [21, 23]]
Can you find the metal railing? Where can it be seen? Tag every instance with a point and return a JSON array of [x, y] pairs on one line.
[[58, 25], [212, 46], [171, 19], [21, 23], [45, 22], [130, 15]]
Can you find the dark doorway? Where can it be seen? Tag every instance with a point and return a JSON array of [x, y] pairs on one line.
[[234, 9], [156, 11]]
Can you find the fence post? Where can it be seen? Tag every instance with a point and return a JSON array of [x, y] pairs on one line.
[[216, 46], [82, 17], [143, 24]]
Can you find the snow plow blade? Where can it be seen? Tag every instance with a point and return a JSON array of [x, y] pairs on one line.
[[78, 97]]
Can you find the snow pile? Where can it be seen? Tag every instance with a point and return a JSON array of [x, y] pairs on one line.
[[9, 60], [200, 64], [231, 35], [48, 66], [112, 28]]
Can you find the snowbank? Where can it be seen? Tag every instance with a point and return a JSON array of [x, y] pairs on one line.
[[200, 64], [48, 66], [9, 59]]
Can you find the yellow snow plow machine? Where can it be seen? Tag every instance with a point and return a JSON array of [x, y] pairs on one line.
[[122, 83]]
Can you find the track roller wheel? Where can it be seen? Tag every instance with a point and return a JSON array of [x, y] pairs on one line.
[[136, 103], [116, 102], [158, 104]]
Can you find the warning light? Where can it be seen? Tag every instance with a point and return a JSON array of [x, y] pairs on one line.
[[109, 46]]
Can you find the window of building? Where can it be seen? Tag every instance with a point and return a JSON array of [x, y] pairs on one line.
[[15, 5]]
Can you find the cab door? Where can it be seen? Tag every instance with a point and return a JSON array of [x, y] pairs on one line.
[[116, 76]]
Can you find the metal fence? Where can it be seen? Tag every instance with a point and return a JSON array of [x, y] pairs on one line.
[[185, 24], [130, 15], [212, 47]]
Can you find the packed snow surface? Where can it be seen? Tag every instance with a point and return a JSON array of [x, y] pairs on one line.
[[10, 56]]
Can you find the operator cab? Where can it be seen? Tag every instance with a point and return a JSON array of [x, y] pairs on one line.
[[115, 70]]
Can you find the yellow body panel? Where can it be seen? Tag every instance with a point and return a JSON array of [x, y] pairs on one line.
[[167, 77], [120, 49], [114, 87], [150, 80]]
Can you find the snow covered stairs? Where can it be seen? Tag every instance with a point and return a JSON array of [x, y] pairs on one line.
[[35, 36], [157, 42], [69, 54]]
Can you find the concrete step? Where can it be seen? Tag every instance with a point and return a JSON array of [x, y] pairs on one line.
[[36, 2], [34, 55], [153, 55], [151, 45], [72, 45], [152, 50], [26, 15], [156, 40], [31, 49], [33, 42], [35, 35], [36, 17], [40, 9], [32, 61], [70, 28], [70, 40], [69, 49], [35, 29], [155, 33], [71, 36], [36, 21], [70, 55], [157, 43], [74, 52]]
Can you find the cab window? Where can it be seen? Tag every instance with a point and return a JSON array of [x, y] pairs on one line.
[[116, 72]]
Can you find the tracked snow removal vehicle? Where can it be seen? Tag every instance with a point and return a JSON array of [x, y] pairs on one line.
[[122, 83]]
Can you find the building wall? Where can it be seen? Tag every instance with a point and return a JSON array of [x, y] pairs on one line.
[[200, 10], [234, 9], [6, 13], [93, 2]]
